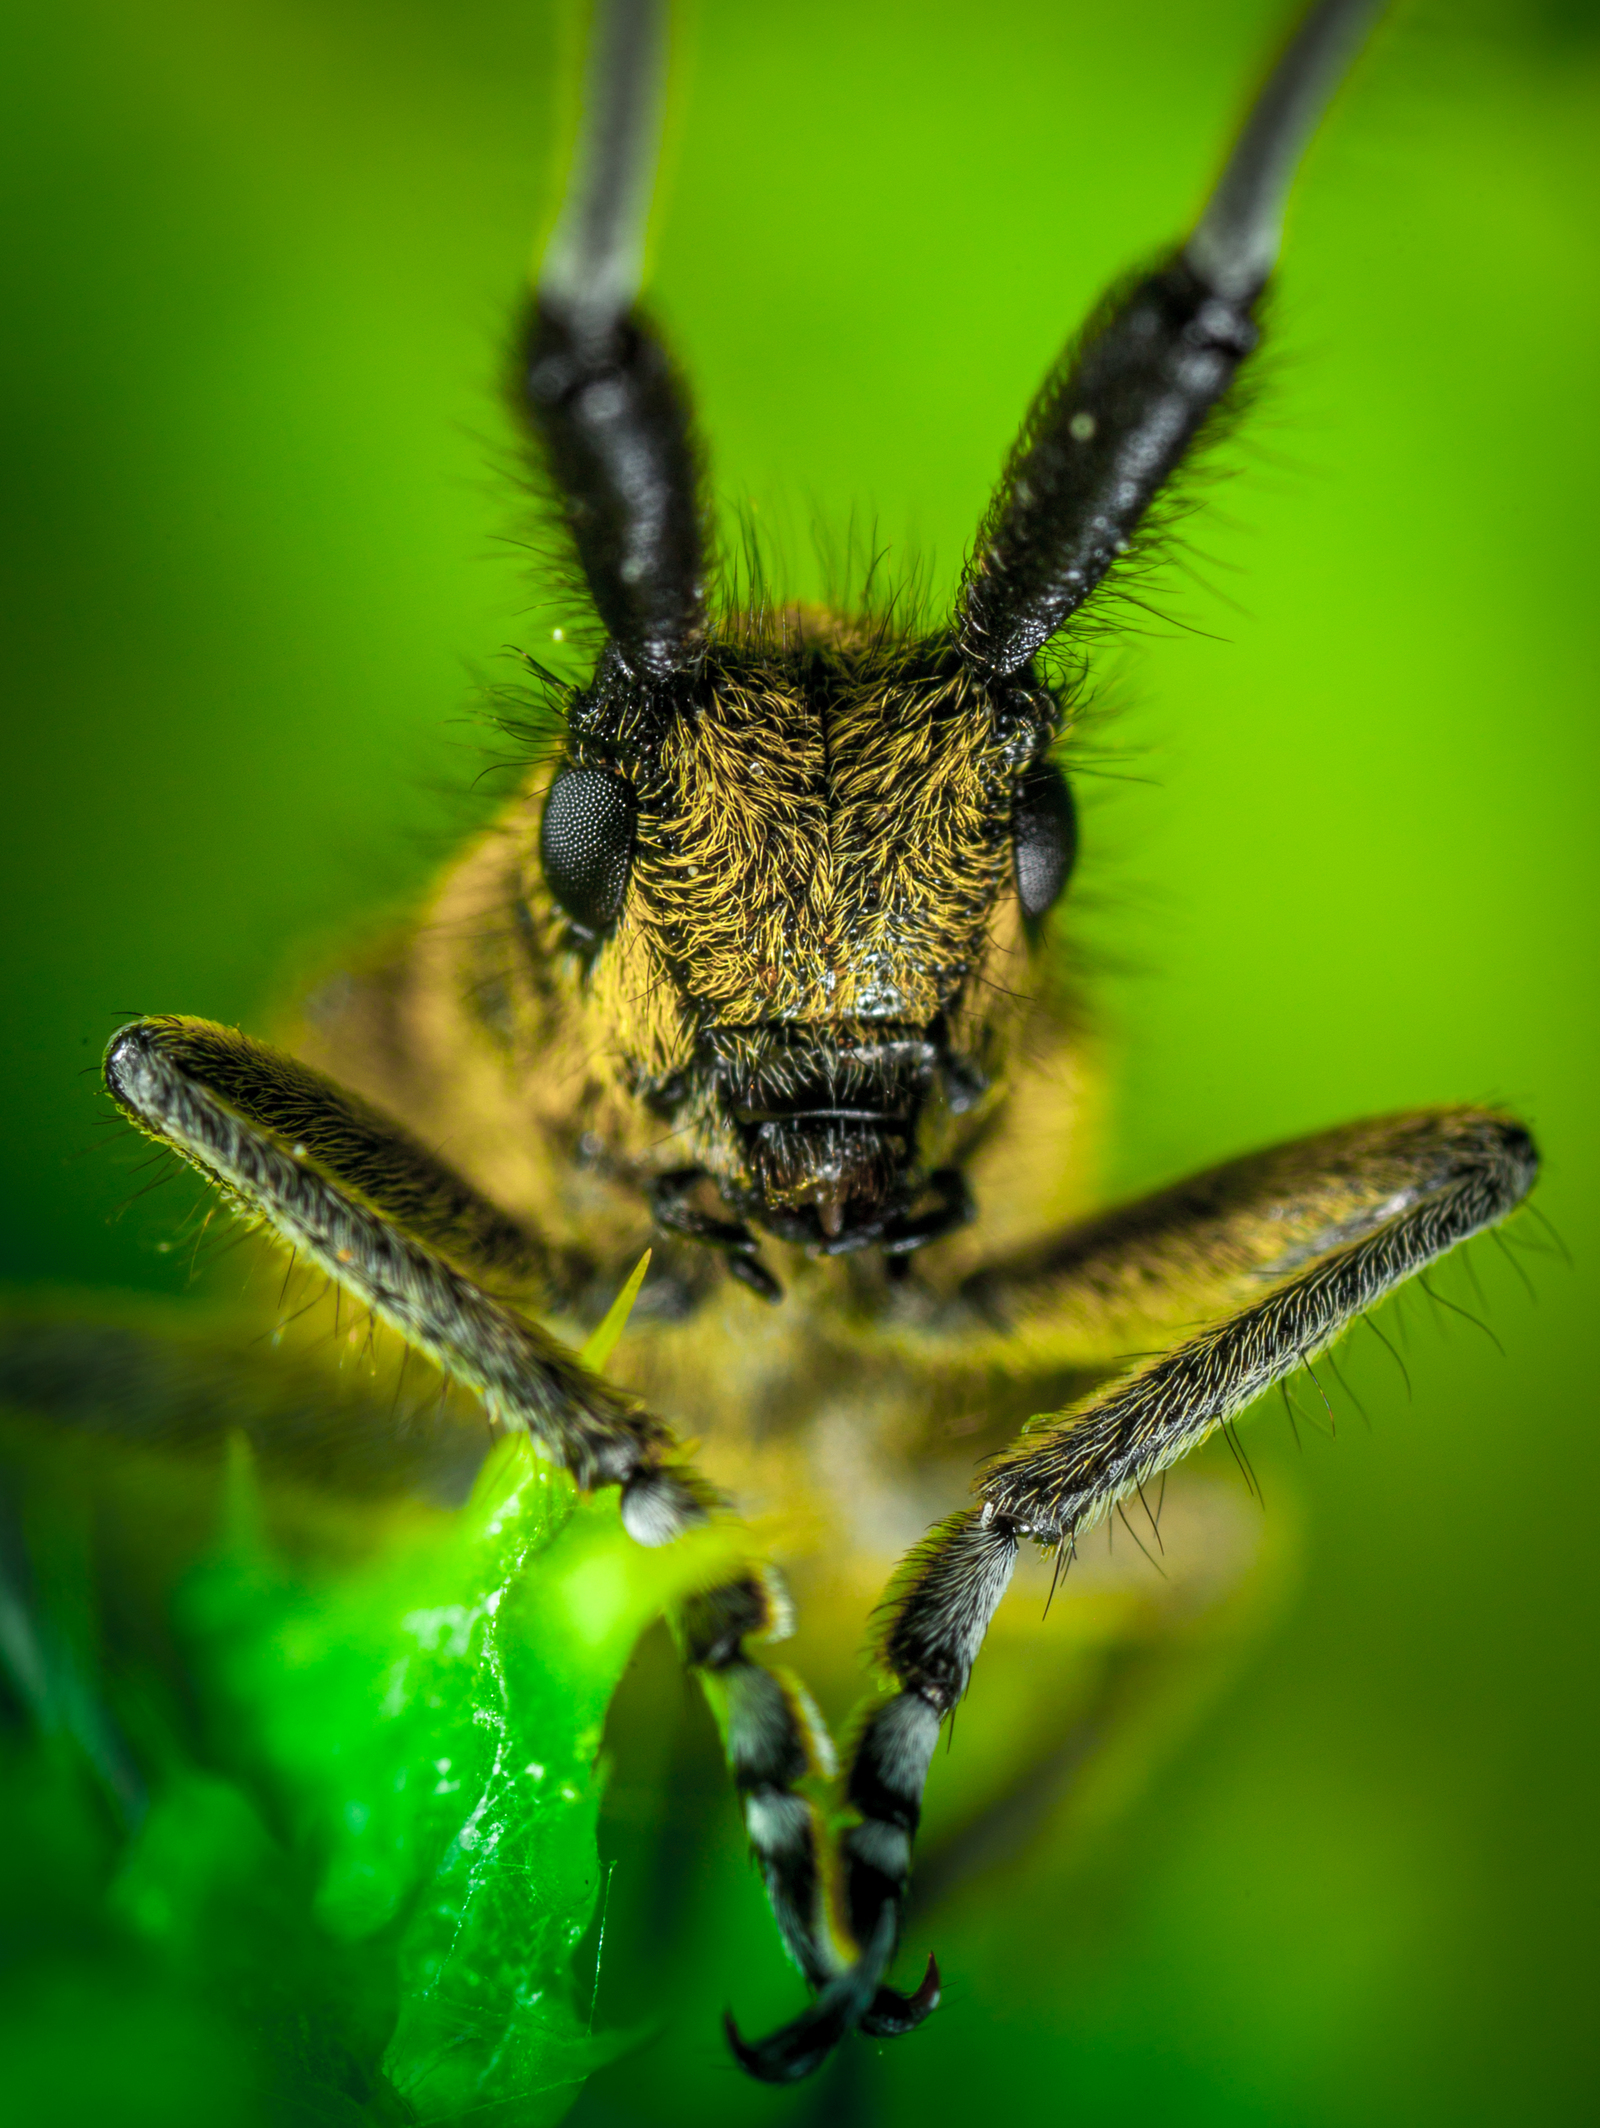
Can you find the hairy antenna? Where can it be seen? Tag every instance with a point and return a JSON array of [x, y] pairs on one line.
[[609, 419], [1121, 410]]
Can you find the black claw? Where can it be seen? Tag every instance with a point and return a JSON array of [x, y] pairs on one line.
[[892, 2015], [752, 1272], [797, 2049]]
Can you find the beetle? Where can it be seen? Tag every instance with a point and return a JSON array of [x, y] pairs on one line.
[[815, 1028]]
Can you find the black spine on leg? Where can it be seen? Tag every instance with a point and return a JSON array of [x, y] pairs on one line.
[[1108, 429], [614, 429]]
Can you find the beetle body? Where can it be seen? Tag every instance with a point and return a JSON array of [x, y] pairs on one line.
[[759, 966]]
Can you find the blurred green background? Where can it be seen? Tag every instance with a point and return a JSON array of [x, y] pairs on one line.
[[258, 552]]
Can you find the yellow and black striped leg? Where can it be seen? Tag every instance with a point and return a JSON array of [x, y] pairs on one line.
[[1289, 1248]]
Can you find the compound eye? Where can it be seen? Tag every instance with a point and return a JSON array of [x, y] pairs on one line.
[[1044, 836], [586, 844]]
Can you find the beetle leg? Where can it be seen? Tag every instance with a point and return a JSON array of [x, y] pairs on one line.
[[774, 1738], [356, 1195], [1303, 1241], [672, 1209]]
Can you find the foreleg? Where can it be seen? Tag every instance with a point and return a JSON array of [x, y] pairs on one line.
[[350, 1191], [1302, 1240]]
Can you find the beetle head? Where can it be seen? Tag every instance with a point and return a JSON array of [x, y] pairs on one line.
[[799, 885]]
